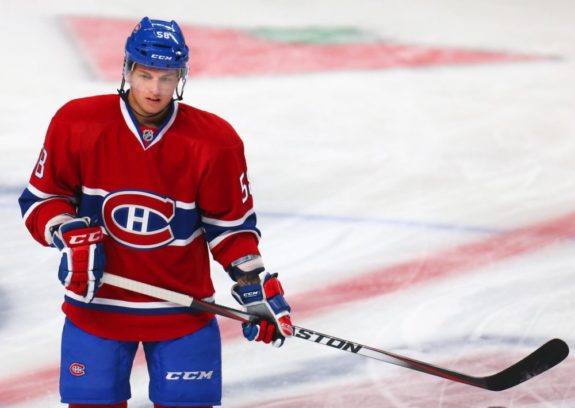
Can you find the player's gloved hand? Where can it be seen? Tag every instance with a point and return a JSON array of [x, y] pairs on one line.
[[265, 299], [82, 257]]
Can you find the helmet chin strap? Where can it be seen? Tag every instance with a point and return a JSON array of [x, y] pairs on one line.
[[180, 92], [121, 90]]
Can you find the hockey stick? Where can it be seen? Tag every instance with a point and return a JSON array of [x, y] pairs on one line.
[[539, 361]]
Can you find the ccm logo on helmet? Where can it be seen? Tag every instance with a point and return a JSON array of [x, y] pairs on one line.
[[139, 219], [161, 57], [189, 375]]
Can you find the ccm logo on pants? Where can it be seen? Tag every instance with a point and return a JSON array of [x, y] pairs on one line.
[[189, 375]]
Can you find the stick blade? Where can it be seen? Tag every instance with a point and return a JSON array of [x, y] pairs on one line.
[[545, 357]]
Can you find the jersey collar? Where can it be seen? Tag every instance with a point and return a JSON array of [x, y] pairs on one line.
[[135, 128]]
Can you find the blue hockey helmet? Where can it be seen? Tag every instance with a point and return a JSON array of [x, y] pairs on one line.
[[156, 44]]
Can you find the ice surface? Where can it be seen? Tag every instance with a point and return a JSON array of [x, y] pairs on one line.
[[451, 188]]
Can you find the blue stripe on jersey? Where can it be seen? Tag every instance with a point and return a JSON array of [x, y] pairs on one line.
[[214, 231], [184, 225], [28, 199], [91, 206], [130, 310]]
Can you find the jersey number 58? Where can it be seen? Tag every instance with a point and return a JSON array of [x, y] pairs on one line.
[[245, 185], [39, 170]]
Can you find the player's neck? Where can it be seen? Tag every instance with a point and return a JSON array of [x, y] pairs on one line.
[[153, 120]]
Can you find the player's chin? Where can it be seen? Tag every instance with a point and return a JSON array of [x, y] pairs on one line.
[[156, 105]]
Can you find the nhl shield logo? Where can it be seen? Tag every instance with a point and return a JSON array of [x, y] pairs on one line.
[[148, 135], [77, 369]]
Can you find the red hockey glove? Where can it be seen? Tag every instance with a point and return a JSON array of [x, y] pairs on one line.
[[265, 299], [83, 259]]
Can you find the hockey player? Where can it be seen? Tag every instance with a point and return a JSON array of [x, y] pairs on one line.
[[143, 186]]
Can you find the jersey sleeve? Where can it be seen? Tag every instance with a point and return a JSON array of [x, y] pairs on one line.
[[53, 188], [226, 205]]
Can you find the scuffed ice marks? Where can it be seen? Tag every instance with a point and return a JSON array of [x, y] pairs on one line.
[[4, 307]]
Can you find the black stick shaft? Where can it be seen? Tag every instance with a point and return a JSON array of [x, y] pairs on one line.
[[539, 361]]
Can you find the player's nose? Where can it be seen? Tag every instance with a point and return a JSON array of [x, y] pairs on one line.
[[155, 87]]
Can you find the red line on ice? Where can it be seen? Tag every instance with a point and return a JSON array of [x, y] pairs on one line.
[[382, 281], [225, 51], [440, 265]]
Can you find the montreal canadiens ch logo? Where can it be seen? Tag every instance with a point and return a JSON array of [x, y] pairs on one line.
[[77, 369], [139, 219]]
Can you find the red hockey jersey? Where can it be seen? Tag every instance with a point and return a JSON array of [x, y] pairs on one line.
[[165, 197]]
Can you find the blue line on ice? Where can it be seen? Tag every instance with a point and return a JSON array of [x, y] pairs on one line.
[[9, 195], [382, 221]]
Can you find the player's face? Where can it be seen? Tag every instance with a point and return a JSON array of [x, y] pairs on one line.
[[151, 90]]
